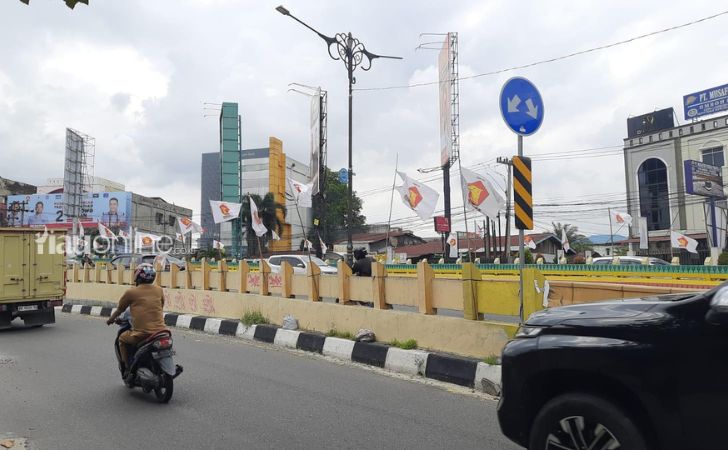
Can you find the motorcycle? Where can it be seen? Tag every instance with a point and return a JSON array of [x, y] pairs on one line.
[[151, 366]]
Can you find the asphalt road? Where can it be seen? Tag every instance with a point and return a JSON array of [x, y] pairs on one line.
[[59, 388]]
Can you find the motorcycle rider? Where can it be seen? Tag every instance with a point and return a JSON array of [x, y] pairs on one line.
[[363, 265], [146, 303]]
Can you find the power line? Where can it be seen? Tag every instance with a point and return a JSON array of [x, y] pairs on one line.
[[558, 58]]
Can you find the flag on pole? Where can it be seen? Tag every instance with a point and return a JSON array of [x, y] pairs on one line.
[[81, 231], [146, 239], [308, 245], [529, 242], [620, 218], [417, 197], [301, 192], [224, 211], [186, 225], [180, 237], [679, 240], [324, 248], [217, 245], [565, 241], [452, 241], [258, 226], [106, 232], [480, 195], [644, 236]]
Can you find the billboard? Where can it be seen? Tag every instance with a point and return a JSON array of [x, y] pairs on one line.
[[315, 140], [113, 209], [703, 179], [709, 101], [73, 174], [443, 63]]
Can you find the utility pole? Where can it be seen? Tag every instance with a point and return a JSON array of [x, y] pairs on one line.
[[507, 162]]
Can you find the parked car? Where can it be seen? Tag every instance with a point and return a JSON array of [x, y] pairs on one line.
[[630, 261], [630, 374], [126, 258], [299, 263]]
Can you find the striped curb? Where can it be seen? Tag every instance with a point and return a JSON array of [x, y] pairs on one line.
[[451, 369]]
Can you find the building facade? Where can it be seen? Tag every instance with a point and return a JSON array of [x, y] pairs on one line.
[[654, 164], [209, 190]]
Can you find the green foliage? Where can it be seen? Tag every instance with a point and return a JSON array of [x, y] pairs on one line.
[[331, 212], [577, 241], [340, 334], [528, 256], [268, 210], [409, 344], [723, 259], [70, 3], [254, 318], [493, 360]]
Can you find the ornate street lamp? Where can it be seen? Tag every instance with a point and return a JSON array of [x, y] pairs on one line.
[[352, 52]]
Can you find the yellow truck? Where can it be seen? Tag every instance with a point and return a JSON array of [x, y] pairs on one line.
[[32, 275]]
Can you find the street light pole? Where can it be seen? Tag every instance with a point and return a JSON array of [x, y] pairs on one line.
[[353, 54]]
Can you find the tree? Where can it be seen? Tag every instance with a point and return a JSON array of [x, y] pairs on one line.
[[70, 3], [330, 210], [577, 241], [268, 212]]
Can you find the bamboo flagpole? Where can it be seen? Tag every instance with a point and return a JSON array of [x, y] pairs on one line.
[[391, 200]]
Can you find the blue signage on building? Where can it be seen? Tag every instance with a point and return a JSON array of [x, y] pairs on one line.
[[709, 101], [343, 176], [521, 106]]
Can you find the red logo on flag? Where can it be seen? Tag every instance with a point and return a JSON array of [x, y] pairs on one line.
[[185, 221], [682, 241], [415, 197], [619, 218], [477, 193], [146, 240], [224, 209]]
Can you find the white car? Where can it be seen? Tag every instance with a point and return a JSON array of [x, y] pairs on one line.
[[629, 261], [299, 264]]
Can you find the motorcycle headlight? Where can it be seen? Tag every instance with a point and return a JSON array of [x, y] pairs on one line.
[[525, 331]]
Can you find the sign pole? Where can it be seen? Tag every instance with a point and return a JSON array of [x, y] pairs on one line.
[[521, 249], [713, 225]]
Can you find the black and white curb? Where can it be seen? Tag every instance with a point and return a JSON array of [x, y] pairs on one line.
[[452, 369]]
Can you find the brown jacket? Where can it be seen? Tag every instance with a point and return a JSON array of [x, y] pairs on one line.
[[147, 303]]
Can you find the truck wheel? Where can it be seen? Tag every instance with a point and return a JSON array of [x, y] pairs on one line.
[[580, 421]]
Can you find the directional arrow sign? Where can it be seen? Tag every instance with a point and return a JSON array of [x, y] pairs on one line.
[[521, 106]]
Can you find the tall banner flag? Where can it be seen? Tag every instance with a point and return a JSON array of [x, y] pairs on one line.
[[565, 241], [301, 192], [445, 97], [480, 195], [620, 218], [315, 166], [186, 225], [644, 236], [258, 226], [452, 241], [417, 197], [679, 240], [224, 211], [529, 242]]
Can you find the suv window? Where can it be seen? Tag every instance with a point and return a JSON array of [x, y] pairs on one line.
[[602, 261], [295, 262], [275, 260]]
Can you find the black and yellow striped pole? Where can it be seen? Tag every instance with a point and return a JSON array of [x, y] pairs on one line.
[[522, 199]]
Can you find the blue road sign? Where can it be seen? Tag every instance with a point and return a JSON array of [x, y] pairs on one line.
[[709, 101], [343, 176], [521, 106]]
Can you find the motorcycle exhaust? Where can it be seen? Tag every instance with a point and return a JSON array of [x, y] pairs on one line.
[[147, 378]]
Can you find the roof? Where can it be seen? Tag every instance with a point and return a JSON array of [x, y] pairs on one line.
[[433, 247], [376, 237], [664, 238], [604, 239]]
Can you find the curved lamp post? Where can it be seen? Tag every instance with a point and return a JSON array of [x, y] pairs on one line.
[[348, 49]]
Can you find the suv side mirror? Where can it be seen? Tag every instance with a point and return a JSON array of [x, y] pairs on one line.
[[718, 312]]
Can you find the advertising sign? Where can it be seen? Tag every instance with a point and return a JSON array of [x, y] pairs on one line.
[[443, 62], [709, 101], [441, 224], [315, 139], [112, 209], [703, 179]]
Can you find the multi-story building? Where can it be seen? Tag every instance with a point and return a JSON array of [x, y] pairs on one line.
[[209, 190], [654, 164]]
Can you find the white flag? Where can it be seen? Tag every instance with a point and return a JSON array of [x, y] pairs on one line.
[[452, 241], [146, 239], [324, 248], [224, 211], [81, 231], [480, 194], [258, 226], [620, 218], [217, 245], [417, 197], [186, 225], [104, 231], [529, 242], [679, 240], [565, 241], [644, 236], [180, 237], [275, 235], [301, 192]]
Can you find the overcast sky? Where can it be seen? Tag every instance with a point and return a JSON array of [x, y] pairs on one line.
[[134, 74]]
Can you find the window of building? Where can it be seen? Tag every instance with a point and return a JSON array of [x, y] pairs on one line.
[[160, 218], [691, 128], [714, 156], [702, 126], [654, 199], [680, 131], [670, 133]]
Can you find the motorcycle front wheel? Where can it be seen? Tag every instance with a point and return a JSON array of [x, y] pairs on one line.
[[165, 389]]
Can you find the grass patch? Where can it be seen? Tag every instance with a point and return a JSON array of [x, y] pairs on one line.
[[254, 318], [409, 344], [492, 360], [340, 334]]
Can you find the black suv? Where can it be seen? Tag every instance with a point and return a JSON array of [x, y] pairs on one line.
[[632, 374]]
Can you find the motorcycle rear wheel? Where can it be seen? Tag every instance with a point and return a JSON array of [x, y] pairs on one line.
[[165, 389]]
